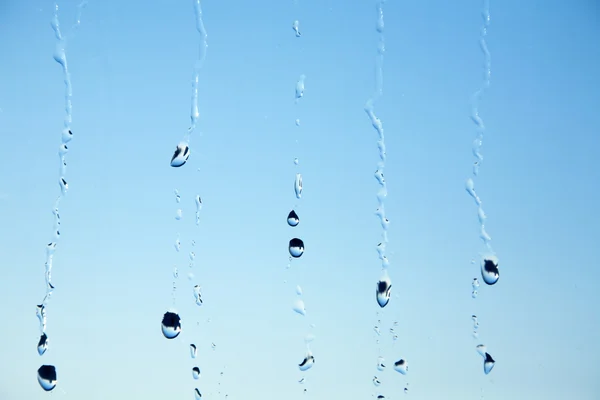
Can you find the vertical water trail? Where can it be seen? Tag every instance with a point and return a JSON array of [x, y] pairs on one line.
[[47, 377], [384, 284], [489, 261]]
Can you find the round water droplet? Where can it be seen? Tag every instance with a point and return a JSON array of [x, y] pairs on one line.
[[475, 283], [296, 161], [171, 325], [42, 344], [63, 149], [47, 377], [488, 363], [489, 269], [406, 390], [307, 363], [197, 394], [298, 186], [376, 381], [293, 219], [297, 122], [380, 363], [67, 135], [196, 372], [384, 287], [296, 247], [299, 307], [401, 366], [474, 294], [193, 350], [181, 155], [179, 214]]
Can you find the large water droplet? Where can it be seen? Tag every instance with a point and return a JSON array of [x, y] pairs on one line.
[[67, 135], [193, 350], [489, 269], [298, 186], [307, 363], [197, 394], [296, 247], [488, 363], [401, 366], [171, 325], [181, 155], [42, 344], [384, 287], [47, 377], [299, 307], [196, 372], [293, 219]]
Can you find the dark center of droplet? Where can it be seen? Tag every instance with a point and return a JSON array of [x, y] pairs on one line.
[[490, 267]]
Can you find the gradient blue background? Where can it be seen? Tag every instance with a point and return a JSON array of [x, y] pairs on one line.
[[132, 63]]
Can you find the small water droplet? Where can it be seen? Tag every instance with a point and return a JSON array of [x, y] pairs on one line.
[[309, 338], [67, 135], [301, 381], [181, 155], [42, 344], [488, 363], [405, 390], [198, 295], [196, 372], [296, 161], [474, 294], [475, 283], [64, 186], [308, 362], [296, 247], [177, 244], [298, 290], [297, 122], [299, 307], [401, 366], [298, 186], [293, 219], [179, 214], [481, 349], [296, 28], [376, 381], [380, 363], [177, 196], [383, 292], [63, 149], [380, 397], [171, 325], [377, 331], [489, 269], [175, 273], [198, 208], [300, 87], [47, 377], [214, 346], [193, 350], [197, 394]]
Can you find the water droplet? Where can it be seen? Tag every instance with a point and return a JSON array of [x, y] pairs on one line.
[[380, 397], [198, 208], [47, 377], [405, 390], [175, 273], [297, 122], [298, 290], [309, 338], [197, 394], [193, 350], [401, 366], [296, 247], [293, 219], [475, 283], [197, 295], [300, 87], [64, 186], [376, 381], [377, 331], [196, 372], [298, 186], [67, 135], [179, 214], [380, 363], [63, 149], [481, 349], [296, 28], [488, 363], [171, 325], [301, 381], [214, 346], [299, 307], [384, 287], [296, 161], [308, 362], [474, 294], [489, 270], [177, 244], [181, 155], [177, 196], [42, 344]]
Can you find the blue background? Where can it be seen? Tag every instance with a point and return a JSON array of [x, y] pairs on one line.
[[131, 65]]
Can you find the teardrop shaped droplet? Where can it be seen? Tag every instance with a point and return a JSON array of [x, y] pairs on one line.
[[489, 269], [384, 287], [42, 344], [193, 350], [401, 366], [380, 363], [296, 28], [298, 186], [296, 247], [47, 377], [196, 372], [171, 325], [308, 362], [299, 307], [488, 363], [293, 219], [181, 155]]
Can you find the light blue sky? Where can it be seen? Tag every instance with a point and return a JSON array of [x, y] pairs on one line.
[[132, 64]]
